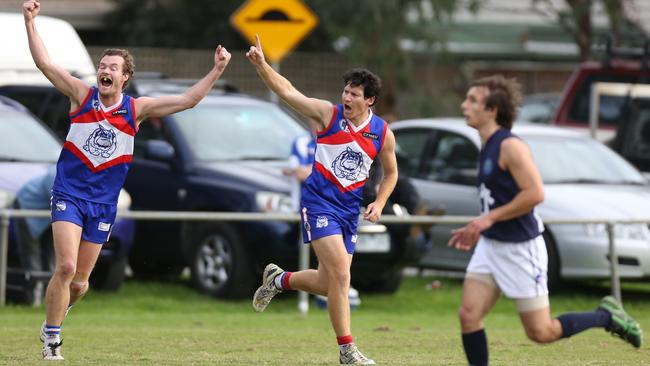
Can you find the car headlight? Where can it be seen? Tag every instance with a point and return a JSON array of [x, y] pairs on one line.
[[6, 198], [632, 231], [273, 202], [621, 231], [124, 200]]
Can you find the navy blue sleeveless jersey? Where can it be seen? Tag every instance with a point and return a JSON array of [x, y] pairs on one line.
[[497, 187]]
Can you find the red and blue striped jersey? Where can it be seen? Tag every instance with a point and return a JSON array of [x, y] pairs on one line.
[[98, 150], [344, 153]]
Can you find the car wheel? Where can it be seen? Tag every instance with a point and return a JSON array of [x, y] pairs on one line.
[[109, 276], [219, 263], [554, 280]]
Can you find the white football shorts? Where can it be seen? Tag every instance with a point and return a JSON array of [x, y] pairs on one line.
[[519, 269]]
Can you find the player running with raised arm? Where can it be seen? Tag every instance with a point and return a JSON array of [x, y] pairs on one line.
[[350, 136]]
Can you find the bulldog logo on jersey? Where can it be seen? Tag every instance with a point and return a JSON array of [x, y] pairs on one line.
[[348, 164], [102, 142], [343, 125], [96, 104]]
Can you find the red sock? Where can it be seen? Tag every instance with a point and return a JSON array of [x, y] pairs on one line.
[[285, 281], [344, 340]]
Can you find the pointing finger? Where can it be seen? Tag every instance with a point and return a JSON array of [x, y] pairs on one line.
[[257, 42]]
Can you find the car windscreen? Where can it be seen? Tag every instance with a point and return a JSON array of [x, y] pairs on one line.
[[580, 160], [216, 132], [22, 138]]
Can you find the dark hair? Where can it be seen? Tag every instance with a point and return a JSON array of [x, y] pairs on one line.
[[362, 77], [505, 95], [129, 65]]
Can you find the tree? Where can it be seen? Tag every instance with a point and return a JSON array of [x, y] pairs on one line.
[[371, 33], [576, 19], [374, 34]]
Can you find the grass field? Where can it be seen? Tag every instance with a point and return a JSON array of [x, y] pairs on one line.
[[170, 324]]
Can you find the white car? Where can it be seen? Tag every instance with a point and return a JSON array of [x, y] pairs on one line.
[[583, 179]]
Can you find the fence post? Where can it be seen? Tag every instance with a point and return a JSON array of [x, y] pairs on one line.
[[4, 244], [613, 262], [303, 264]]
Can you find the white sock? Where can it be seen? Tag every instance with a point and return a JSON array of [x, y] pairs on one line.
[[343, 347], [277, 281], [50, 339]]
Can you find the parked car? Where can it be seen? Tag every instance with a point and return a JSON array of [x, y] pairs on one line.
[[538, 108], [627, 63], [27, 149], [61, 40], [583, 179]]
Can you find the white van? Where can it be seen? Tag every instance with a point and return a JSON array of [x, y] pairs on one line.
[[61, 40]]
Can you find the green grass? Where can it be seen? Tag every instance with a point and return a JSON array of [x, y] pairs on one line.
[[161, 324]]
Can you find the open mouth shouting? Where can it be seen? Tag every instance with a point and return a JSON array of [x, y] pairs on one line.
[[106, 81]]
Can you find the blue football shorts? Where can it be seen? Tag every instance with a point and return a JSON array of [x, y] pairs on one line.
[[322, 224], [95, 219]]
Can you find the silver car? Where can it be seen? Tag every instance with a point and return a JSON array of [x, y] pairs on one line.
[[583, 180]]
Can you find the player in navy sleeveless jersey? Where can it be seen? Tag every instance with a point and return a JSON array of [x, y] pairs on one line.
[[93, 164], [350, 136], [510, 254]]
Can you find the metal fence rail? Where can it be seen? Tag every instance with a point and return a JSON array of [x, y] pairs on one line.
[[7, 214]]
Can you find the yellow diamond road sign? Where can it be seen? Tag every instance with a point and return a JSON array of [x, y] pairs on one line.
[[281, 24]]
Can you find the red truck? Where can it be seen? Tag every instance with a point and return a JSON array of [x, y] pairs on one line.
[[624, 111]]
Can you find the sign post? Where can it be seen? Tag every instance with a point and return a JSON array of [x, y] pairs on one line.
[[281, 25]]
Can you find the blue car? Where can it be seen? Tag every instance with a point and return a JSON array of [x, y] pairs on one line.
[[27, 149]]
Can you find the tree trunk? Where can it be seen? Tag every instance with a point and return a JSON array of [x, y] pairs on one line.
[[581, 14]]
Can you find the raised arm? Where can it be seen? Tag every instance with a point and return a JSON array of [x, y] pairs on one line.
[[318, 109], [389, 164], [67, 84], [147, 107]]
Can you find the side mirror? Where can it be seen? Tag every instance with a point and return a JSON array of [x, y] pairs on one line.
[[159, 150]]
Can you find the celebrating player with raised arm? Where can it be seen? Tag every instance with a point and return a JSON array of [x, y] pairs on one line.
[[93, 164], [349, 137]]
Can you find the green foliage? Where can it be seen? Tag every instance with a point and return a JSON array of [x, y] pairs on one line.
[[576, 19], [382, 35], [169, 23], [371, 33]]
